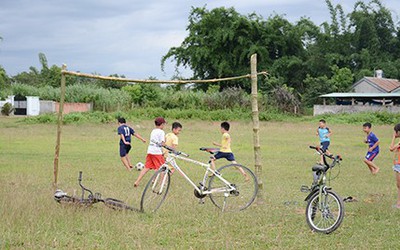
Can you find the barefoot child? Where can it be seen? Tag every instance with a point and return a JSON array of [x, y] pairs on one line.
[[171, 140], [225, 150], [324, 134], [125, 132], [154, 158], [395, 147], [373, 148]]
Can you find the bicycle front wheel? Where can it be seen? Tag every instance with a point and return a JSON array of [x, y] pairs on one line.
[[155, 191], [324, 216], [236, 190]]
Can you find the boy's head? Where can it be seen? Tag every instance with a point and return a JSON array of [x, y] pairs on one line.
[[225, 127], [367, 127], [160, 122], [322, 123], [397, 130], [121, 120], [176, 128]]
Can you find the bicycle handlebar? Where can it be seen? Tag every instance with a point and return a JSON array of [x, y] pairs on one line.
[[171, 150], [80, 176]]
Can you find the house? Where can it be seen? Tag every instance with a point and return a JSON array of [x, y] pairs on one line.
[[376, 85], [370, 94]]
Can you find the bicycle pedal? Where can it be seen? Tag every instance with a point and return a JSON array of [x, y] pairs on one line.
[[201, 201], [305, 189]]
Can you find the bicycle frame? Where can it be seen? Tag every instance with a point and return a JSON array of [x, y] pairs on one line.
[[171, 160]]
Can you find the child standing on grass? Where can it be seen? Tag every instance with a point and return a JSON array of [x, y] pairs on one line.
[[225, 150], [125, 132], [395, 147], [172, 140], [154, 158], [373, 148], [324, 134]]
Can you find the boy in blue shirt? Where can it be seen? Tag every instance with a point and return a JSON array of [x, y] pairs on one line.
[[324, 134], [373, 148], [125, 132]]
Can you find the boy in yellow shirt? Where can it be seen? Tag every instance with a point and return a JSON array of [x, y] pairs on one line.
[[172, 140], [225, 150]]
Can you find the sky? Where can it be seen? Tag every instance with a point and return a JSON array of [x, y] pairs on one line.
[[125, 37]]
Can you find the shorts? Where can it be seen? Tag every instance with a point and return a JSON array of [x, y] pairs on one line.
[[325, 145], [228, 156], [370, 156], [154, 161], [396, 168], [124, 149]]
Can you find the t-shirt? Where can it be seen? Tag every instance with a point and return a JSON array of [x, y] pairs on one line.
[[170, 140], [371, 140], [397, 157], [225, 143], [127, 132], [158, 136], [323, 132]]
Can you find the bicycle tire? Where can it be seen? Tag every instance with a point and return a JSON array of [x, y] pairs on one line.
[[331, 216], [155, 191], [247, 188]]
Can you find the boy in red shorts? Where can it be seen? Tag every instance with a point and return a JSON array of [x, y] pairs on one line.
[[154, 158]]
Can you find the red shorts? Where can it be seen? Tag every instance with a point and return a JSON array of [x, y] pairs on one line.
[[154, 161]]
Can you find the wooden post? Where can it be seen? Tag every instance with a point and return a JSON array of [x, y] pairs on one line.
[[59, 125], [256, 126]]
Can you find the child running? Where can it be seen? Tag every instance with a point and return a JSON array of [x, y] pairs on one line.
[[225, 150], [373, 148], [395, 147], [154, 158], [324, 134], [125, 132], [172, 140]]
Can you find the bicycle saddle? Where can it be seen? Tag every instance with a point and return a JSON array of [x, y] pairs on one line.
[[210, 150], [318, 168]]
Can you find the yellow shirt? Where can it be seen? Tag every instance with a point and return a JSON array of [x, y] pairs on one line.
[[226, 143], [171, 140]]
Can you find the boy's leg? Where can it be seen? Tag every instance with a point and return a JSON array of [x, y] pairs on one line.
[[125, 162], [142, 173], [398, 188], [369, 161], [129, 162]]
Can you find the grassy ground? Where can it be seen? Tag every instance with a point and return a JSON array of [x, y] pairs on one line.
[[30, 218]]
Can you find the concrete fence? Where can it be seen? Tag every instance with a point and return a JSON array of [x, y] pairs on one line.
[[336, 109]]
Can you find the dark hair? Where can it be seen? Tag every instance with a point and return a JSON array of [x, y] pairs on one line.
[[397, 127], [322, 120], [367, 124], [176, 125], [121, 120], [225, 125]]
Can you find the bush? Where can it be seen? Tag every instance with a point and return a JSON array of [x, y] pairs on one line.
[[7, 109]]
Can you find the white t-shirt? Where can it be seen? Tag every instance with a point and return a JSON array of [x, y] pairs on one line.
[[157, 135]]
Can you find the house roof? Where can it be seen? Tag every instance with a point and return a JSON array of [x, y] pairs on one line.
[[361, 95], [388, 85]]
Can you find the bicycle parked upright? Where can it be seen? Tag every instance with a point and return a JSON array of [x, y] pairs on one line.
[[325, 209]]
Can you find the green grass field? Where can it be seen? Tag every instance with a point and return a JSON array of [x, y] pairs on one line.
[[30, 218]]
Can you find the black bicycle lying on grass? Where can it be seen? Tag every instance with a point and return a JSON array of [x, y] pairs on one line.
[[89, 198]]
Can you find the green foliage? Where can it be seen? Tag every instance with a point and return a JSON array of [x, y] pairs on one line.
[[7, 109]]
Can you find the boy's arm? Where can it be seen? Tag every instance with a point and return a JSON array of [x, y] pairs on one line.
[[217, 144], [139, 137], [330, 133], [392, 146], [123, 139], [373, 146]]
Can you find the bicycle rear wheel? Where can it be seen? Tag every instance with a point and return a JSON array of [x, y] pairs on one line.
[[155, 191], [244, 182], [325, 216]]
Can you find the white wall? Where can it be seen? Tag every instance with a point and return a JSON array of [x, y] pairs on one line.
[[33, 105]]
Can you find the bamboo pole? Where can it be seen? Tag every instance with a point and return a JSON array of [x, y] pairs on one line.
[[256, 126], [59, 126], [110, 78]]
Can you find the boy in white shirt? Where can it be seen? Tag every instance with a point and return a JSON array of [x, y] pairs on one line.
[[154, 158]]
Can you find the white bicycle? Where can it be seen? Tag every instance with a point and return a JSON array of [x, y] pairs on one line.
[[231, 188]]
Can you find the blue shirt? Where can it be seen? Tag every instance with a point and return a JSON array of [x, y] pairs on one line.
[[323, 132], [127, 132], [371, 140]]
